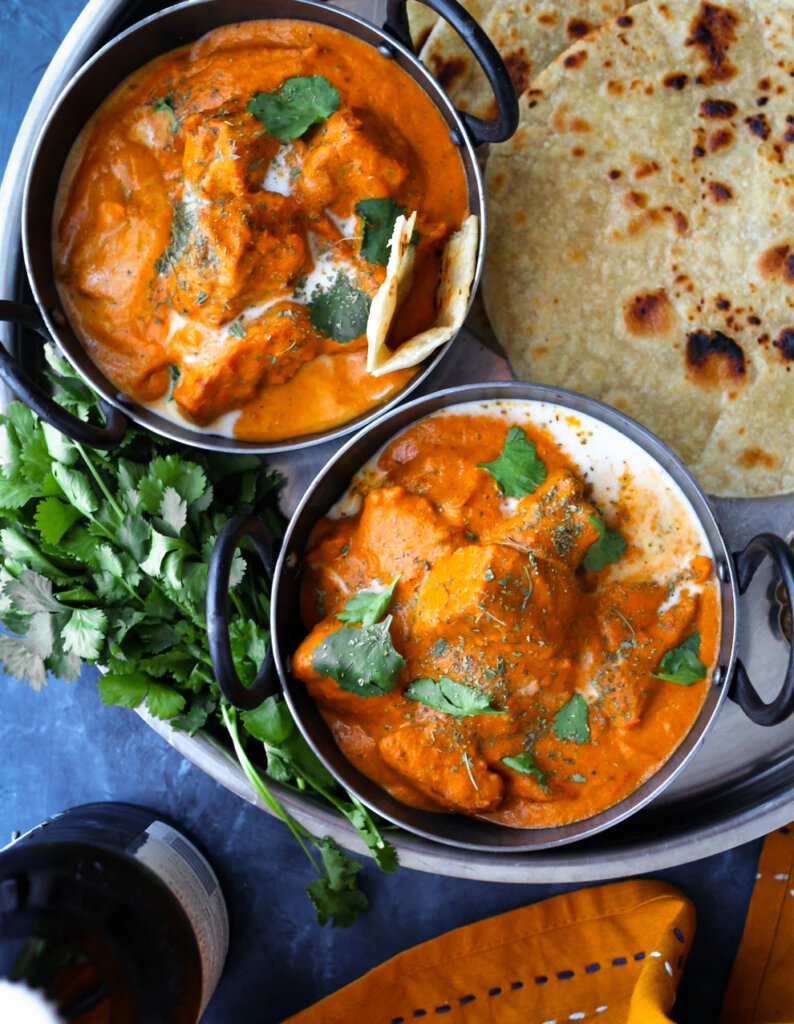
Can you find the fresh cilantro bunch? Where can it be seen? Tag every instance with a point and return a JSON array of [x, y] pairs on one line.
[[105, 560]]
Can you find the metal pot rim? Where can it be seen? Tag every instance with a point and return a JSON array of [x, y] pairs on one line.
[[306, 10], [446, 828]]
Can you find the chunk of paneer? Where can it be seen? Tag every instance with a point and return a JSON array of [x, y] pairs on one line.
[[506, 595], [225, 154], [349, 158], [458, 778], [403, 531], [241, 253], [553, 522], [223, 378]]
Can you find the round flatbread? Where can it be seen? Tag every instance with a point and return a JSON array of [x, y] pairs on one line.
[[641, 232], [528, 35]]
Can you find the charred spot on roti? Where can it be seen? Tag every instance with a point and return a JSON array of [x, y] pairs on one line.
[[578, 27], [634, 200], [712, 31], [649, 315], [722, 303], [777, 262], [698, 151], [575, 59], [675, 81], [578, 151], [718, 139], [447, 72], [717, 108], [615, 87], [753, 458], [758, 126], [644, 168], [762, 101], [714, 355], [784, 342], [718, 192], [547, 18], [753, 320], [789, 133], [625, 20], [518, 67], [680, 222], [614, 174], [562, 123]]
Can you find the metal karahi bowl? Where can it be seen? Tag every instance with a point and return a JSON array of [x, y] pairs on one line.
[[150, 38], [734, 573]]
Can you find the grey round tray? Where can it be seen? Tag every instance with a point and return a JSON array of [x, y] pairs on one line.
[[739, 786]]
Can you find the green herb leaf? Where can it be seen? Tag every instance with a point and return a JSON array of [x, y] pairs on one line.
[[570, 722], [378, 217], [518, 470], [75, 487], [301, 102], [451, 697], [335, 898], [362, 659], [527, 765], [127, 691], [84, 632], [340, 313], [682, 664], [607, 549], [368, 606], [53, 518], [237, 330], [166, 106]]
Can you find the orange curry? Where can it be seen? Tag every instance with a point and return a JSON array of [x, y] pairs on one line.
[[552, 649], [207, 243]]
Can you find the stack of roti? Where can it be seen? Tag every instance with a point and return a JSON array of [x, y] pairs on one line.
[[641, 232]]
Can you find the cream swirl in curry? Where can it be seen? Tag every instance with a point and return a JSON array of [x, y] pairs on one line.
[[513, 612]]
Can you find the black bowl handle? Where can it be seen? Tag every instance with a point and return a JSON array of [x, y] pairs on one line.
[[266, 683], [487, 56], [742, 690], [107, 437]]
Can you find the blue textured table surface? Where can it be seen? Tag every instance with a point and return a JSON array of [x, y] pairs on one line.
[[61, 747]]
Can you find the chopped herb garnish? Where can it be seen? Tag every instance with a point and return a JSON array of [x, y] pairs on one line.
[[607, 549], [440, 647], [570, 722], [361, 659], [378, 218], [682, 664], [527, 765], [183, 221], [201, 298], [166, 106], [237, 330], [451, 697], [367, 606], [340, 313], [301, 102], [518, 471]]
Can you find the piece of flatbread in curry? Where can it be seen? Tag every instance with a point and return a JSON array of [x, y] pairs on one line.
[[458, 266], [641, 233], [527, 33]]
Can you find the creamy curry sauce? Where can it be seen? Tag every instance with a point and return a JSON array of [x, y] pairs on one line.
[[492, 593], [188, 241]]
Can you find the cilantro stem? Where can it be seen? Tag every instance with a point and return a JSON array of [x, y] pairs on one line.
[[230, 721], [100, 482]]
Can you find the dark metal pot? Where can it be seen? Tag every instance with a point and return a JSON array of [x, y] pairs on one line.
[[734, 571], [129, 51]]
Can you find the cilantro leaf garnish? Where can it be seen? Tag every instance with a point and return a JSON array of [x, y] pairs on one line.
[[451, 697], [361, 659], [183, 222], [165, 105], [237, 330], [570, 722], [378, 217], [341, 312], [682, 664], [608, 548], [301, 102], [526, 764], [518, 471], [103, 560], [367, 606]]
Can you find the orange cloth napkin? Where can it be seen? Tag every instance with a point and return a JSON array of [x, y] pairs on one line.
[[612, 954], [761, 986]]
